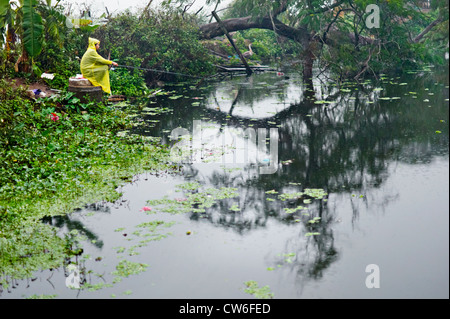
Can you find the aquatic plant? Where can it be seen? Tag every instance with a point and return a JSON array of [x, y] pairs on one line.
[[55, 161], [195, 200], [253, 288], [126, 268]]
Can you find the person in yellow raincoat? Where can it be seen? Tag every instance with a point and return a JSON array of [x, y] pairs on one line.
[[95, 68]]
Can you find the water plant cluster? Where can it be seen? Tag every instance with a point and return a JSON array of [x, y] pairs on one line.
[[198, 199], [195, 199], [56, 159]]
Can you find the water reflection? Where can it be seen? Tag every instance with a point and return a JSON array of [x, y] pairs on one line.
[[70, 223], [342, 139], [330, 137]]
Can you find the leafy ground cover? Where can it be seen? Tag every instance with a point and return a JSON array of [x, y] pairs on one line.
[[59, 155]]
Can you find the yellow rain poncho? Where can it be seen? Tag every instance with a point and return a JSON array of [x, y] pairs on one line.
[[95, 68]]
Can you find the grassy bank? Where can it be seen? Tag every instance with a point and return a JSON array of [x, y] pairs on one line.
[[58, 155]]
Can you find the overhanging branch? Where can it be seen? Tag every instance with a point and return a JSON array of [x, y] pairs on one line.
[[427, 29], [212, 30]]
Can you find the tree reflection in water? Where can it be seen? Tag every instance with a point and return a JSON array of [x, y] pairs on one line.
[[337, 138]]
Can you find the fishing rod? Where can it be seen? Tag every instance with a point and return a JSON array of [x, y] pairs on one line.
[[168, 72], [160, 71]]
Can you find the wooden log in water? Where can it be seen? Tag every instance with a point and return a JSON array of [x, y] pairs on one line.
[[243, 69]]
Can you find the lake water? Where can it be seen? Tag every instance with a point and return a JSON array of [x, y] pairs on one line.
[[379, 150]]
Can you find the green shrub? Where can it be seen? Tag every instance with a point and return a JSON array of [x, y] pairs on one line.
[[163, 40]]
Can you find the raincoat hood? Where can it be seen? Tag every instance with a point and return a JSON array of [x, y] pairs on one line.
[[92, 43]]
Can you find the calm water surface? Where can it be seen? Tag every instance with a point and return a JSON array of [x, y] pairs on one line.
[[379, 150]]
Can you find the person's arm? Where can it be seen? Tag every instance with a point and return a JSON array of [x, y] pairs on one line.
[[102, 60]]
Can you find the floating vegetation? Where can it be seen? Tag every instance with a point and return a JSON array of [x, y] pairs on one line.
[[258, 292], [42, 297], [387, 98], [98, 286], [312, 234], [126, 268], [317, 193], [323, 102], [315, 220], [306, 195], [30, 248], [175, 97], [290, 196], [293, 210], [288, 257], [189, 186], [195, 201], [155, 110], [235, 208], [147, 232]]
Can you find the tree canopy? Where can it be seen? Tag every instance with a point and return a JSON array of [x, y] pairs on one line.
[[362, 35]]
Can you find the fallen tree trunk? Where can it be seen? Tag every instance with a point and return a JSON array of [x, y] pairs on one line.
[[332, 37], [427, 29], [212, 30], [301, 35]]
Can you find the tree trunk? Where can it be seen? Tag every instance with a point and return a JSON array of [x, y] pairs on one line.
[[10, 42], [427, 29], [301, 35], [308, 61], [212, 30], [23, 63]]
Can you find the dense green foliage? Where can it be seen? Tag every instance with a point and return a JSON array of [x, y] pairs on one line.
[[58, 155], [49, 148], [340, 38], [393, 49], [265, 44], [159, 40], [162, 40]]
